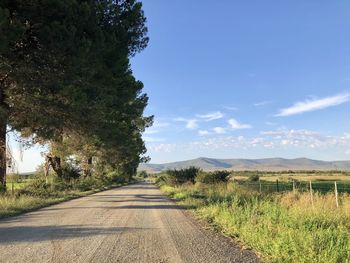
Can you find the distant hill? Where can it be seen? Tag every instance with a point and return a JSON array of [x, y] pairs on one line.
[[268, 164]]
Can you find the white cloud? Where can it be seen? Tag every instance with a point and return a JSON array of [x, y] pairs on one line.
[[262, 103], [153, 139], [280, 140], [315, 104], [211, 116], [219, 130], [203, 132], [151, 131], [157, 124], [230, 108], [191, 124], [157, 127], [235, 125]]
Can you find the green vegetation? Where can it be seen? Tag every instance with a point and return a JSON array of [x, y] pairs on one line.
[[212, 177], [182, 176], [66, 82], [282, 227]]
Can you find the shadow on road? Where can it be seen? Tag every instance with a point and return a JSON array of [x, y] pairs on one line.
[[51, 233]]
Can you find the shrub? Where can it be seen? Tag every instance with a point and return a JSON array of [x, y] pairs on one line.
[[70, 171], [88, 183], [253, 177], [183, 175], [212, 177], [36, 187], [142, 174], [116, 177]]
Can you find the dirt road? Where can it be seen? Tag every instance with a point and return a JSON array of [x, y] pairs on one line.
[[135, 223]]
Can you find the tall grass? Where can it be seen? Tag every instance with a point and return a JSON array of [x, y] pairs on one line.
[[283, 227]]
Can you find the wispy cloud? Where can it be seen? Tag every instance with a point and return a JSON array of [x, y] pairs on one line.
[[191, 124], [219, 130], [157, 127], [315, 104], [203, 132], [211, 116], [262, 103], [276, 139], [153, 139], [230, 108], [151, 131], [235, 125]]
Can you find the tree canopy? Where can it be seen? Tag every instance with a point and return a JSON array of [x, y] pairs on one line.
[[66, 81]]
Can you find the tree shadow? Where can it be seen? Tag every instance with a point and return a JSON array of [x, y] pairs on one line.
[[50, 233]]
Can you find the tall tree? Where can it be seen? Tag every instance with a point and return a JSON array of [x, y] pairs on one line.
[[64, 67]]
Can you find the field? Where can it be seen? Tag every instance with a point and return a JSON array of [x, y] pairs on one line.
[[286, 181], [283, 226]]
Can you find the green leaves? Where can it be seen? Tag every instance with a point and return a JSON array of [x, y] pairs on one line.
[[70, 78]]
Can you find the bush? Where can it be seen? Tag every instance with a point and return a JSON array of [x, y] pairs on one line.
[[142, 174], [254, 177], [70, 172], [212, 177], [36, 187], [88, 183], [116, 177], [181, 176]]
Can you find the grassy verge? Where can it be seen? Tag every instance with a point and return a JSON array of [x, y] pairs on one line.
[[38, 195], [282, 227]]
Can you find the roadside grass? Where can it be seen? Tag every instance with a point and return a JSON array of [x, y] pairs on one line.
[[37, 194], [284, 227]]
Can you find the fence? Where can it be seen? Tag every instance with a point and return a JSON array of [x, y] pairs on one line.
[[317, 186]]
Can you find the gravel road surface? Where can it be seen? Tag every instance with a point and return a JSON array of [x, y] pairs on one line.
[[135, 223]]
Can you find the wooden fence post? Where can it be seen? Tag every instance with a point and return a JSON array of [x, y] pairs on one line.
[[311, 195], [294, 186], [259, 186], [336, 194], [277, 186]]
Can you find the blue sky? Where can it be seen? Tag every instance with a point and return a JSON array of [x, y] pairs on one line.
[[245, 79]]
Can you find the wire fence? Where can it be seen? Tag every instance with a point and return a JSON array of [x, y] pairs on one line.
[[317, 186]]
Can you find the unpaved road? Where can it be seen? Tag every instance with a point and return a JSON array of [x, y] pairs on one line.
[[135, 223]]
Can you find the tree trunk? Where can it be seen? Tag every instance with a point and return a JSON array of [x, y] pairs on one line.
[[55, 163], [3, 124], [3, 156], [47, 169], [87, 167]]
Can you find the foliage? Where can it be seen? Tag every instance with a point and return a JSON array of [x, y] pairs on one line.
[[254, 177], [183, 175], [65, 80], [142, 174], [212, 177]]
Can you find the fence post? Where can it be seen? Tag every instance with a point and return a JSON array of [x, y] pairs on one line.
[[336, 194], [311, 195], [259, 186], [293, 186], [277, 186]]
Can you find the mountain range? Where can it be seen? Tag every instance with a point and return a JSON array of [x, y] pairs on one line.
[[267, 164]]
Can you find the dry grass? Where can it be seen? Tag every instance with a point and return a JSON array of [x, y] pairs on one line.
[[284, 227], [299, 177]]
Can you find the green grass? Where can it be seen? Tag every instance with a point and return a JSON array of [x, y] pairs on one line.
[[320, 186], [281, 227]]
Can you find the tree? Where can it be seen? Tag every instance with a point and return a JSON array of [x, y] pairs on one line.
[[64, 68]]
